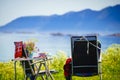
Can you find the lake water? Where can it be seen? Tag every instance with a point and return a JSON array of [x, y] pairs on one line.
[[46, 43]]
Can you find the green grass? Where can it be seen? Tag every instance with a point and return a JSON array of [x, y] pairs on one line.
[[110, 66]]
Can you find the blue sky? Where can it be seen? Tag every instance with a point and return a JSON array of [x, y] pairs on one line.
[[12, 9]]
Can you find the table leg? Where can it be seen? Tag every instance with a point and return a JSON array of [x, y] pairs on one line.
[[15, 70], [48, 71]]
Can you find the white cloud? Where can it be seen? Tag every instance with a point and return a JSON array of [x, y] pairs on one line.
[[11, 9]]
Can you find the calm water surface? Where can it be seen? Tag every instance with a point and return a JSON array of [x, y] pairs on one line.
[[47, 43]]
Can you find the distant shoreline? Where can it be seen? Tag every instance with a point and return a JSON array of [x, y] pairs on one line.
[[63, 34]]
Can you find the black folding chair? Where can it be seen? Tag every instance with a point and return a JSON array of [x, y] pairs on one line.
[[85, 56]]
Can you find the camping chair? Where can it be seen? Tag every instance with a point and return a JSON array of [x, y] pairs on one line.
[[31, 70], [85, 56]]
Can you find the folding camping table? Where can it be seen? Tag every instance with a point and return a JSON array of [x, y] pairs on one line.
[[40, 61]]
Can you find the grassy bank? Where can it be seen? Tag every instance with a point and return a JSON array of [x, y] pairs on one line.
[[110, 66]]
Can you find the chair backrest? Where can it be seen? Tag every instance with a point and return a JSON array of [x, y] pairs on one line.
[[22, 53], [84, 55]]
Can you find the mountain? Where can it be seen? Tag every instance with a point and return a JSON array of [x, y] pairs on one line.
[[105, 20]]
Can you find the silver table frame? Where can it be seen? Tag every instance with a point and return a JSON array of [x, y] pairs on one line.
[[41, 61]]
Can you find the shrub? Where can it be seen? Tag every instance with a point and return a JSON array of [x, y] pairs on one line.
[[111, 63]]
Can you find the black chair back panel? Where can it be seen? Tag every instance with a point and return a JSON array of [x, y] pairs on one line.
[[84, 55]]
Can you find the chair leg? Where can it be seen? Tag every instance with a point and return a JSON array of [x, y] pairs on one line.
[[42, 77], [100, 71], [26, 78], [48, 73], [50, 76], [100, 76], [69, 77]]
